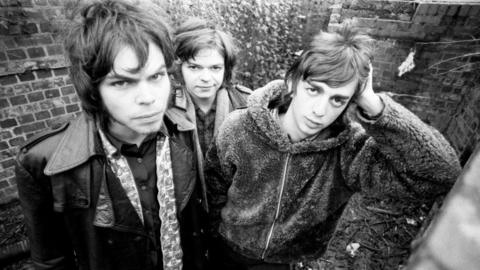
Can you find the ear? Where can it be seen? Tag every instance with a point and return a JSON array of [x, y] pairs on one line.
[[289, 87]]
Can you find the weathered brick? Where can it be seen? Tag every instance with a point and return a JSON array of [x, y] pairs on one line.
[[3, 56], [29, 28], [4, 103], [57, 111], [25, 3], [4, 30], [33, 127], [40, 2], [26, 76], [43, 73], [36, 52], [4, 184], [8, 163], [60, 71], [8, 123], [14, 29], [17, 141], [17, 100], [44, 84], [73, 108], [42, 115], [3, 145], [54, 2], [26, 118], [52, 93], [68, 90], [7, 80], [55, 49], [6, 91], [10, 43], [17, 54], [452, 10], [35, 96], [22, 88], [46, 27]]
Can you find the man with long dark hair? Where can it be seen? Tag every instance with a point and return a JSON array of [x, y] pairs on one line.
[[117, 187]]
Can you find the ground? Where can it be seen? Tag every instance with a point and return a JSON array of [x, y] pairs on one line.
[[378, 232]]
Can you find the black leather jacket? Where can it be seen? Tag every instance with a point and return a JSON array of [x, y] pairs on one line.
[[59, 174]]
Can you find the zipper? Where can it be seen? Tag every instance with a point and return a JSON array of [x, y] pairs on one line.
[[277, 212]]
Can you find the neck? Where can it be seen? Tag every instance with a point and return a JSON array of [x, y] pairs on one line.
[[286, 123], [126, 135], [205, 104]]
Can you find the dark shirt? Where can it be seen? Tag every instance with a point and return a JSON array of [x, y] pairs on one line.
[[142, 163], [205, 126]]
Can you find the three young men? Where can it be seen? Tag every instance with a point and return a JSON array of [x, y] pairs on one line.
[[117, 187]]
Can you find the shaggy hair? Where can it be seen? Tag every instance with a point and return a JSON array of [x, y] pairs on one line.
[[196, 34], [99, 32]]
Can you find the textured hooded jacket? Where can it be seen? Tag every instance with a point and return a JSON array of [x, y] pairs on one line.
[[279, 201]]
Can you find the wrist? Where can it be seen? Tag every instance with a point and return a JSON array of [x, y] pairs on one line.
[[371, 105]]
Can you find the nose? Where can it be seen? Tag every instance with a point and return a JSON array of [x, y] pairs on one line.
[[205, 75], [320, 107], [145, 94]]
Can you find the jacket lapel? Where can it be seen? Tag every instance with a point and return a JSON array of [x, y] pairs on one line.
[[75, 148]]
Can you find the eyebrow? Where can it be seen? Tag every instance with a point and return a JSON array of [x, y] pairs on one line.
[[196, 64], [114, 75], [340, 96]]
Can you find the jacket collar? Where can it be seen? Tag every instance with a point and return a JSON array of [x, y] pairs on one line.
[[270, 129], [80, 142]]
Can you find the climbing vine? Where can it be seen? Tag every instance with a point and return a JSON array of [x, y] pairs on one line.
[[267, 33]]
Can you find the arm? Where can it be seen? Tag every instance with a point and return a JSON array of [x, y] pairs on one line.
[[399, 154], [47, 235], [217, 186]]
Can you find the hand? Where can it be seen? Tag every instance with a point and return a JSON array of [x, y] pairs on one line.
[[367, 100]]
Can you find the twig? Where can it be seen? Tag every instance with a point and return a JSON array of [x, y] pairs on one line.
[[383, 211], [369, 247]]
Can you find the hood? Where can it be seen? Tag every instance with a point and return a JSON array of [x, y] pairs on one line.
[[270, 131]]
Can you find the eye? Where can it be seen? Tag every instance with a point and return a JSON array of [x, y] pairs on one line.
[[217, 68], [158, 75], [338, 101], [193, 67], [120, 83], [311, 90]]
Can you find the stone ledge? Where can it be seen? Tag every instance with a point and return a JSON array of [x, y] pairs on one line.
[[19, 67]]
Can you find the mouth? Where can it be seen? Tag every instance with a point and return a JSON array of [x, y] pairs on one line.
[[312, 123], [148, 116]]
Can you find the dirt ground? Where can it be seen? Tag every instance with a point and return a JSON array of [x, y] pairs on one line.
[[378, 233]]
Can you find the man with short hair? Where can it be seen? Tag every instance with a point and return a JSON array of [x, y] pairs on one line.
[[281, 172], [117, 187]]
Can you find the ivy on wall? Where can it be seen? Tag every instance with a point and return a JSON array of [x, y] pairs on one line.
[[267, 33]]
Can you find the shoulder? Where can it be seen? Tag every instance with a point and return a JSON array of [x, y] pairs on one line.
[[239, 95], [234, 123], [42, 145], [242, 89]]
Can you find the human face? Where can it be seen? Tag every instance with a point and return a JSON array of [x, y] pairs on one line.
[[136, 101], [203, 75], [315, 106]]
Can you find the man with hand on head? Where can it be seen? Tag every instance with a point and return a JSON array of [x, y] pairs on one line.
[[281, 172]]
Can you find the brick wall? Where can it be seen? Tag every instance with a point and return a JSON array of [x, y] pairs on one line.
[[443, 87], [35, 91]]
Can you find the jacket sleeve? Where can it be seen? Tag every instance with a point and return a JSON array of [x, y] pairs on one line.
[[47, 234], [397, 154]]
